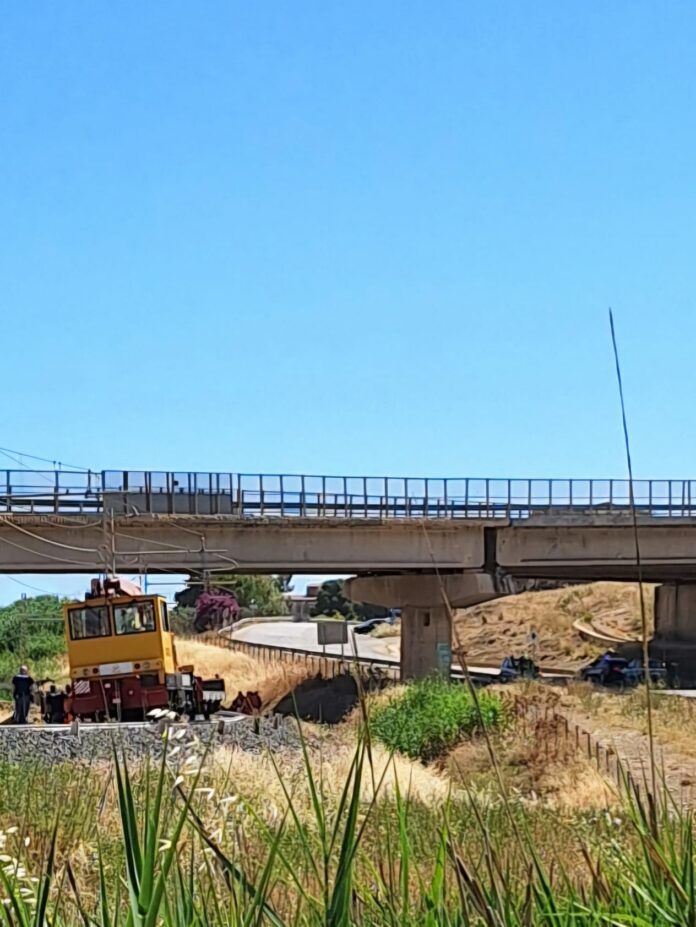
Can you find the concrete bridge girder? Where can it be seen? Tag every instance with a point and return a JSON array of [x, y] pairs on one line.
[[571, 549], [423, 591], [553, 547], [180, 543]]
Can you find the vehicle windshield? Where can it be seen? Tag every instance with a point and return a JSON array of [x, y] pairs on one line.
[[89, 622], [135, 618]]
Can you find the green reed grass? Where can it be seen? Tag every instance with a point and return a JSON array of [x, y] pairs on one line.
[[114, 845]]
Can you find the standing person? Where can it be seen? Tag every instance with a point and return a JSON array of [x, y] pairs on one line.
[[55, 706], [22, 685], [68, 702]]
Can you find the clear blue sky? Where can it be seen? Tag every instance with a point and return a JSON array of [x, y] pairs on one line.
[[348, 237]]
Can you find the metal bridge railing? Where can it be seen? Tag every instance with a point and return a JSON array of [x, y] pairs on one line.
[[282, 495]]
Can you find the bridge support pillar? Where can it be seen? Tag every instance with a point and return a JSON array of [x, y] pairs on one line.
[[426, 627], [675, 628]]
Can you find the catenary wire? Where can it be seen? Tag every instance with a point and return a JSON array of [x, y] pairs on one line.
[[8, 451]]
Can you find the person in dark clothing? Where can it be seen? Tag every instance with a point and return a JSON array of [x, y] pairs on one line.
[[22, 685], [55, 706]]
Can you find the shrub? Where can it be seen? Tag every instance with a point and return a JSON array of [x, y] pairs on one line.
[[31, 631], [431, 716]]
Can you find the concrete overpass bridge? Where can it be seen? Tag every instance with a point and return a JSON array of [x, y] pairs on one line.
[[482, 536]]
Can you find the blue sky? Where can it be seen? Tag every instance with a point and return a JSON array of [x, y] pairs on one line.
[[348, 238]]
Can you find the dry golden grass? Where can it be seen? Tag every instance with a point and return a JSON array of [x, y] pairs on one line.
[[536, 765], [242, 673], [386, 630], [674, 718], [254, 777], [494, 629]]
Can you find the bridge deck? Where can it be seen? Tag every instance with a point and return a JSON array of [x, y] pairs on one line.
[[68, 492]]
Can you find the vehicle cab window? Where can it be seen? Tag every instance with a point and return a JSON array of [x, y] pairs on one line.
[[134, 619], [89, 622]]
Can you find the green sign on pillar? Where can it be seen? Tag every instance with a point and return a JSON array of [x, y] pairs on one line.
[[444, 658]]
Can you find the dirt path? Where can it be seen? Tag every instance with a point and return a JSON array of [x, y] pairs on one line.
[[675, 771]]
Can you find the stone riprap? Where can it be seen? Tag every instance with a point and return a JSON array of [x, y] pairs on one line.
[[56, 744]]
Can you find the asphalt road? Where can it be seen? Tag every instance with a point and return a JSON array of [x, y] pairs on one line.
[[302, 635]]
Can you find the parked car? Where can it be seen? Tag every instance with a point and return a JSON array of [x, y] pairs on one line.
[[613, 670], [366, 626], [606, 670], [634, 673], [513, 668]]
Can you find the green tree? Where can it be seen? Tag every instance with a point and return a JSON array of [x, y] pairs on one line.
[[181, 619], [31, 631], [256, 594], [331, 601]]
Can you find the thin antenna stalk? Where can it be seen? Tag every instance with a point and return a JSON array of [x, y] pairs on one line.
[[639, 564]]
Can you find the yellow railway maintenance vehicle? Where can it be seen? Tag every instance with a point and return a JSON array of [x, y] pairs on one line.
[[123, 661]]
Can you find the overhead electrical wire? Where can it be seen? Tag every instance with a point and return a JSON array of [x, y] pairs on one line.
[[38, 537], [132, 557], [44, 556], [130, 554], [38, 473], [21, 582], [8, 452]]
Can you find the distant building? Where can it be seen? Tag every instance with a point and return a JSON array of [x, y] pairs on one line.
[[300, 606]]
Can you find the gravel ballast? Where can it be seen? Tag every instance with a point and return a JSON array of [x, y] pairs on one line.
[[61, 743]]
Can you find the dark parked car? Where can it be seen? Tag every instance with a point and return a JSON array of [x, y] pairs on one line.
[[607, 670], [613, 670], [659, 674], [513, 668], [366, 626]]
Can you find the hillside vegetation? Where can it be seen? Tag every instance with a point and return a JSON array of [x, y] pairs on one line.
[[31, 631], [494, 629]]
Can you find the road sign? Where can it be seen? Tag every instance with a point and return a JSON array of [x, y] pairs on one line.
[[332, 632], [444, 658]]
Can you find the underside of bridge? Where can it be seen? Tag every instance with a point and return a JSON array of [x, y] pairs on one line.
[[423, 566], [427, 604], [675, 628]]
